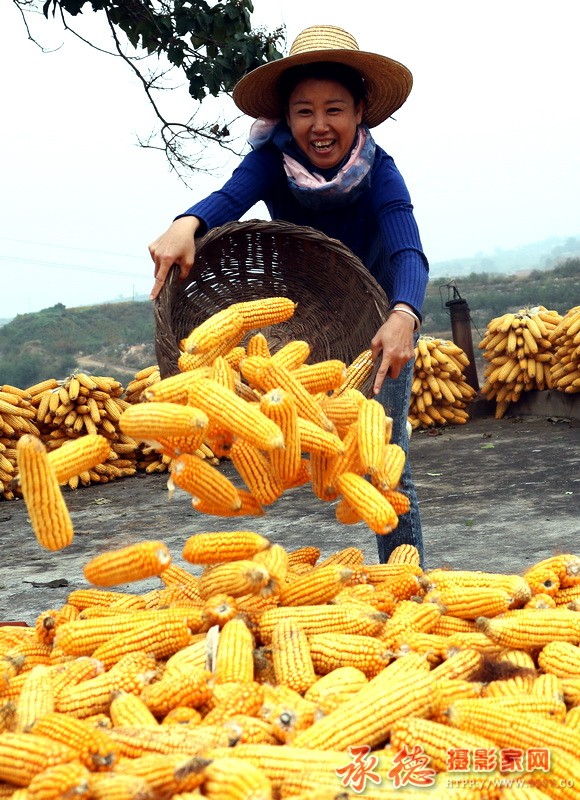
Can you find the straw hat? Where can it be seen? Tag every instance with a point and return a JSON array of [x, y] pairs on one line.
[[387, 82]]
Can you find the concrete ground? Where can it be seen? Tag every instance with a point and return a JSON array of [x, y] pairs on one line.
[[495, 495]]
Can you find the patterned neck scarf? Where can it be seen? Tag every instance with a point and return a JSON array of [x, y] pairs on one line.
[[333, 188]]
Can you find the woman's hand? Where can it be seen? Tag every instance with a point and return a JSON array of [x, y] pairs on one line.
[[393, 344], [175, 246]]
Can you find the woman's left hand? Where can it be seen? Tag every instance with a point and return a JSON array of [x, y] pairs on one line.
[[393, 344]]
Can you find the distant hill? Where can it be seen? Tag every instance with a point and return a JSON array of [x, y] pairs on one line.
[[540, 255]]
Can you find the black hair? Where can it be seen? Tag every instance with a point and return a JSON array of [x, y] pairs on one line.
[[350, 78]]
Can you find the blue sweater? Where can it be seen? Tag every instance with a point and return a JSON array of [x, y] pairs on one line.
[[379, 227]]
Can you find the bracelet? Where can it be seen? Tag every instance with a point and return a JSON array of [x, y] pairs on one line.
[[410, 313]]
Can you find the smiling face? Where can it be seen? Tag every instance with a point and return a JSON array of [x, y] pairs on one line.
[[323, 118]]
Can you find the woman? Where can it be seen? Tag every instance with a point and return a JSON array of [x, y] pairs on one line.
[[313, 162]]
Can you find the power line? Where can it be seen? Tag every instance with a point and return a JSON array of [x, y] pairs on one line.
[[68, 247], [73, 267]]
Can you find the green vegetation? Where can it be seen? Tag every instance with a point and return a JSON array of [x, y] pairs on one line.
[[48, 344], [118, 338]]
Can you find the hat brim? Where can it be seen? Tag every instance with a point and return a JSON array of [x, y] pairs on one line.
[[387, 83]]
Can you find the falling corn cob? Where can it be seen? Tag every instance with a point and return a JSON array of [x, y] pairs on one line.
[[133, 563]]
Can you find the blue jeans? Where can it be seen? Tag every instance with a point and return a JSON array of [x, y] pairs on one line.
[[395, 396]]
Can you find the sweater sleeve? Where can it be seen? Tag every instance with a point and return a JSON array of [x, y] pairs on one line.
[[249, 183], [402, 264]]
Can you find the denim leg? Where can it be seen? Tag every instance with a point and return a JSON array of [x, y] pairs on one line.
[[395, 397]]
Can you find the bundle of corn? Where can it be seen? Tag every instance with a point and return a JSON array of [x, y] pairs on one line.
[[440, 394], [274, 417], [141, 380], [518, 348], [565, 342], [17, 417], [262, 675], [87, 404]]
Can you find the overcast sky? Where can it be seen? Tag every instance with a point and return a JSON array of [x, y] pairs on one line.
[[488, 141]]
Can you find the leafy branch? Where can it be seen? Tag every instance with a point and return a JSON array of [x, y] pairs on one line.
[[211, 46]]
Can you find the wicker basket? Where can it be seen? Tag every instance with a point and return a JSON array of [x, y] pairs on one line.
[[340, 305]]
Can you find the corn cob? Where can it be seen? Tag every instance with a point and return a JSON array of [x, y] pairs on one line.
[[24, 755], [234, 657], [469, 602], [268, 375], [205, 483], [322, 619], [509, 728], [304, 555], [93, 748], [527, 629], [357, 373], [151, 420], [179, 688], [46, 506], [235, 779], [329, 651], [116, 786], [129, 710], [405, 554], [561, 659], [233, 414], [323, 376], [275, 559], [436, 739], [257, 472], [224, 325], [279, 407], [166, 739], [264, 312], [364, 498], [319, 585], [401, 688], [236, 578], [133, 563], [257, 345], [279, 762], [291, 656], [167, 774], [93, 696], [63, 780], [388, 474], [78, 455], [160, 637], [292, 354], [36, 698]]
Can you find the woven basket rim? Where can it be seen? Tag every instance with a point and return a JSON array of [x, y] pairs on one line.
[[259, 258]]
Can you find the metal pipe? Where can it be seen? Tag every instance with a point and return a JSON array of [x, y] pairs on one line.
[[461, 334]]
